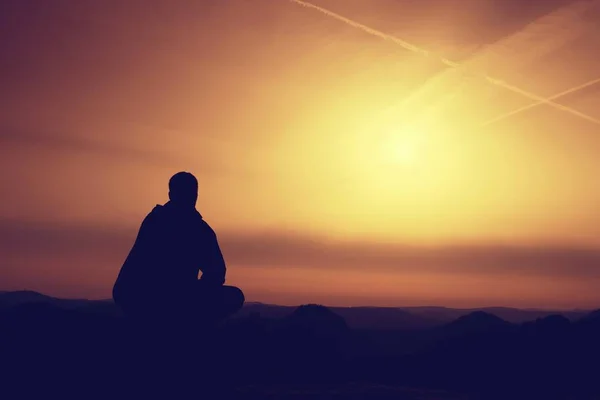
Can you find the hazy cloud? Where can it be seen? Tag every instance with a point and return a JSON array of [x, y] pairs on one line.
[[288, 249], [106, 146], [85, 144]]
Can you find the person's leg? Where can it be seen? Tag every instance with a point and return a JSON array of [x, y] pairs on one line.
[[232, 300], [218, 302]]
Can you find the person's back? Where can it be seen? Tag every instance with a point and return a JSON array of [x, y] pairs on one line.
[[173, 245]]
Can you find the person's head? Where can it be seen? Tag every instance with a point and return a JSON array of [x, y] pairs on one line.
[[183, 189]]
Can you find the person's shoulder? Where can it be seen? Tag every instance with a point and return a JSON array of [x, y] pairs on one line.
[[157, 209], [155, 213], [205, 226]]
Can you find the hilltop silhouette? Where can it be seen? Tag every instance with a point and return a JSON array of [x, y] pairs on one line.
[[249, 355], [411, 317], [476, 322]]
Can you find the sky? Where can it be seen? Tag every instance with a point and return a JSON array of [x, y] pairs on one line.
[[336, 167]]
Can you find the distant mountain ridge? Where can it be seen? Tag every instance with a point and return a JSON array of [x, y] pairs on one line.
[[21, 297], [362, 317], [412, 317]]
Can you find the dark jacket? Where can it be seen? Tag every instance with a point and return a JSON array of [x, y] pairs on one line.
[[171, 248]]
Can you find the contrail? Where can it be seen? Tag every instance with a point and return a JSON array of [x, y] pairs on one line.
[[537, 103], [416, 49]]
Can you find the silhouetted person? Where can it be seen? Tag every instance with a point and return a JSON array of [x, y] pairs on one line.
[[159, 279]]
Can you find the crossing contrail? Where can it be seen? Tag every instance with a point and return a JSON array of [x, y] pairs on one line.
[[416, 49], [537, 103]]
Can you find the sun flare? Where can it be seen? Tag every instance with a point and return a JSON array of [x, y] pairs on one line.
[[402, 149]]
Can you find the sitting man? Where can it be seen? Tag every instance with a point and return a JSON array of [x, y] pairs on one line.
[[159, 278]]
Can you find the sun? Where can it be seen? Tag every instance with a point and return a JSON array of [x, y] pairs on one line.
[[403, 152], [402, 148]]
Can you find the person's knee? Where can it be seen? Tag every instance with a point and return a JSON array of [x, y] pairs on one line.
[[237, 297]]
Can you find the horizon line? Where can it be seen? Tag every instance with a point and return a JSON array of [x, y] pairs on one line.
[[247, 303]]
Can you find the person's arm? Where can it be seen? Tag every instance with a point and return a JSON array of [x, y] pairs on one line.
[[145, 243], [213, 265], [133, 268]]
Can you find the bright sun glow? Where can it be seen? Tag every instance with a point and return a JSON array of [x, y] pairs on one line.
[[402, 148]]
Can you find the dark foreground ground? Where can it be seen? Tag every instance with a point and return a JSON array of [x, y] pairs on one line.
[[91, 351]]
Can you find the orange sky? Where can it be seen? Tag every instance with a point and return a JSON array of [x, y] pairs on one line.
[[336, 167]]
